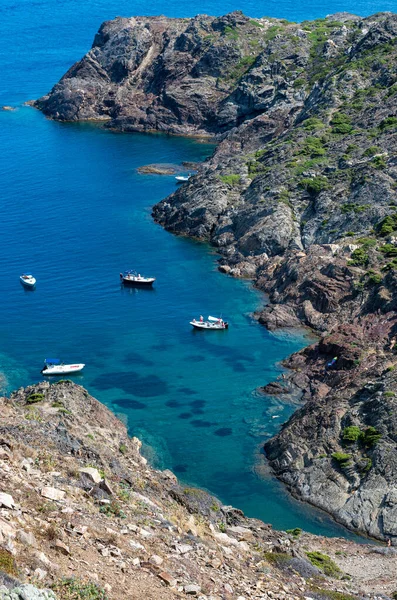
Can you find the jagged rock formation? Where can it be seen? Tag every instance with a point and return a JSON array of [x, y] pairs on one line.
[[83, 514], [300, 195]]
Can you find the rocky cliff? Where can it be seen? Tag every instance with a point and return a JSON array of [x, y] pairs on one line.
[[300, 195], [84, 517]]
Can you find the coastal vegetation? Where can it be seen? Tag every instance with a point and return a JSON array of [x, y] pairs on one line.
[[324, 563]]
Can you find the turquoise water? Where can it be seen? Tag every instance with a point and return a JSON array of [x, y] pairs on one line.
[[75, 212]]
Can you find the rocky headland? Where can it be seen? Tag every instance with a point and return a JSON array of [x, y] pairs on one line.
[[83, 516], [299, 195]]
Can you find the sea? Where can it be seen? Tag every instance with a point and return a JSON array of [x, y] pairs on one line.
[[75, 212]]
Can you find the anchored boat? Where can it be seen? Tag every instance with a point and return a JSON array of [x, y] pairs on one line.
[[212, 323], [136, 279], [27, 280], [53, 366], [182, 178]]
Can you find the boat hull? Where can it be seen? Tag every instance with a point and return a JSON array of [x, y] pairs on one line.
[[204, 326], [62, 369], [30, 283], [137, 283]]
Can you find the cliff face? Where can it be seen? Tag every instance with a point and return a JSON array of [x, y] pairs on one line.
[[83, 514], [300, 195]]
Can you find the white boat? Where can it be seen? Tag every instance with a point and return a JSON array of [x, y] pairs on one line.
[[27, 280], [136, 279], [212, 323], [182, 178], [53, 366]]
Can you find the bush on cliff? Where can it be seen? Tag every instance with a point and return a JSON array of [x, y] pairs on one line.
[[313, 146], [231, 180], [342, 459], [351, 434], [370, 437], [388, 250], [325, 564], [341, 124], [359, 258], [33, 398], [387, 225], [314, 185]]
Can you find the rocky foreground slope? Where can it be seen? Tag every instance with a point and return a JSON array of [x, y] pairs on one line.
[[300, 195], [83, 516]]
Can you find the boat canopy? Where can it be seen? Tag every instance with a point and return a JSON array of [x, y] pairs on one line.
[[214, 319], [52, 361]]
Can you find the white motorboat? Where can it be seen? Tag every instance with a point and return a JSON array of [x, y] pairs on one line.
[[27, 280], [136, 279], [53, 366], [212, 324], [182, 178]]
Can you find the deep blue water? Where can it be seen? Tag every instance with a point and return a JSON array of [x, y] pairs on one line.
[[75, 212]]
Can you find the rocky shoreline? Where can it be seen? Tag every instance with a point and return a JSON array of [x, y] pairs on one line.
[[82, 515], [299, 195]]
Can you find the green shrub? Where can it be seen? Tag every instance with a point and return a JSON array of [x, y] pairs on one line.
[[389, 394], [356, 208], [314, 185], [391, 368], [324, 563], [33, 398], [296, 532], [313, 146], [379, 162], [368, 465], [272, 32], [374, 278], [341, 124], [231, 180], [255, 23], [230, 32], [342, 459], [389, 250], [370, 437], [298, 83], [359, 258], [351, 434], [7, 563], [388, 123], [113, 510], [330, 594], [123, 449], [372, 150], [313, 123], [366, 242], [74, 589], [387, 225]]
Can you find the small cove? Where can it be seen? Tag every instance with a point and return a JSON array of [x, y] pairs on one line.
[[75, 212]]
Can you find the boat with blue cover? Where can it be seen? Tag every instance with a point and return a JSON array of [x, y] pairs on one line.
[[136, 279], [53, 366]]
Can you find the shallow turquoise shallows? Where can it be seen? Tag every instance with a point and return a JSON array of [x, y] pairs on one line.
[[75, 212]]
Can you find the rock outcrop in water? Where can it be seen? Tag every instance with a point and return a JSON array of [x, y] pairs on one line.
[[83, 515], [300, 195]]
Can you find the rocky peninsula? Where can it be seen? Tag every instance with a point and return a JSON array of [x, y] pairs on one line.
[[300, 195]]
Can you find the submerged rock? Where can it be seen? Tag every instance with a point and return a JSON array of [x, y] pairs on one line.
[[157, 170]]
